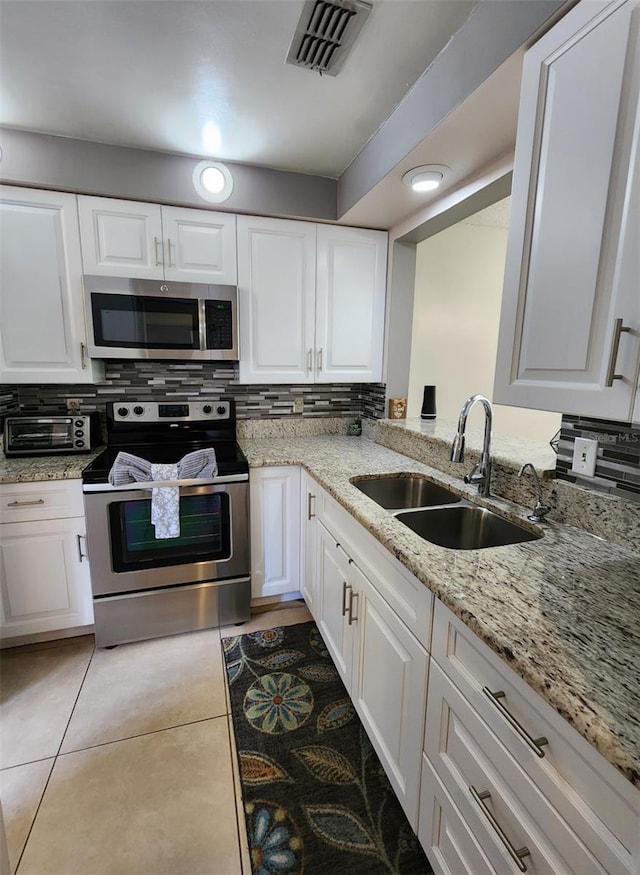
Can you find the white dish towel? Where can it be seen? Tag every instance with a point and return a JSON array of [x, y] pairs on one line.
[[165, 500]]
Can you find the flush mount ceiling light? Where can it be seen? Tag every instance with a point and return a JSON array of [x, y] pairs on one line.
[[212, 181], [426, 177]]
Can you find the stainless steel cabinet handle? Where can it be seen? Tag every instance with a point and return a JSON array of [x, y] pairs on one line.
[[534, 743], [171, 264], [618, 330], [345, 586], [81, 555], [320, 359], [156, 244], [352, 595], [515, 854], [309, 361], [310, 497], [25, 503], [83, 356]]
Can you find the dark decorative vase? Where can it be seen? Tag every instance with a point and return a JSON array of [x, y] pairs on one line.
[[428, 403]]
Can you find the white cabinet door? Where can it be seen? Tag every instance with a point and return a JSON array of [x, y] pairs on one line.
[[275, 530], [199, 246], [121, 238], [389, 690], [276, 293], [335, 599], [44, 581], [350, 299], [42, 330], [572, 256], [309, 536]]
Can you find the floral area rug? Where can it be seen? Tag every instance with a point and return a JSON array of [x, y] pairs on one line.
[[316, 799]]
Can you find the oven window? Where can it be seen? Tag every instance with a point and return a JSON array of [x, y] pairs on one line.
[[138, 322], [205, 533], [41, 435]]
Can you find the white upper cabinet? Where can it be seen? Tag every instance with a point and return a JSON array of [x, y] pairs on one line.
[[42, 331], [276, 292], [350, 299], [121, 238], [148, 241], [311, 302], [570, 325], [200, 246]]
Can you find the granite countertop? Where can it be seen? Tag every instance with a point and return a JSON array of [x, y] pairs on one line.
[[26, 469], [563, 611]]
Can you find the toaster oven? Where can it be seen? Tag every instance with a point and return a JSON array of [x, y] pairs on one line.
[[26, 435]]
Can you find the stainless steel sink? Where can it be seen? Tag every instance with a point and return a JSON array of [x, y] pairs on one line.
[[404, 491], [465, 527]]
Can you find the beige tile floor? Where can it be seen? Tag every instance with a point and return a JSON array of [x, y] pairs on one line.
[[121, 762]]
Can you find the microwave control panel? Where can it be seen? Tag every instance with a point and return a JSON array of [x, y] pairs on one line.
[[219, 325]]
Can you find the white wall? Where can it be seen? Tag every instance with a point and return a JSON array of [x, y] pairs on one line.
[[459, 275]]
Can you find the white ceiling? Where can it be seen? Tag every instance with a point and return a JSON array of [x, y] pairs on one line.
[[209, 78]]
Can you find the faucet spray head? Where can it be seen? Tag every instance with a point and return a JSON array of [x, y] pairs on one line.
[[457, 448]]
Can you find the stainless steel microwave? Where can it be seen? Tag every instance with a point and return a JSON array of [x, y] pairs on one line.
[[152, 319], [46, 435]]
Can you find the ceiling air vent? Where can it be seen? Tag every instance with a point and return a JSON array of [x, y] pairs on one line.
[[325, 34]]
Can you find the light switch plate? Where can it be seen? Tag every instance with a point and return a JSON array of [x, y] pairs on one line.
[[585, 452]]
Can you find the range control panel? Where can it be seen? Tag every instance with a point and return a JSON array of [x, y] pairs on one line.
[[180, 411]]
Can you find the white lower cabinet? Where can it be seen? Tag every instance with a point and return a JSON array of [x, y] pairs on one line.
[[45, 583], [531, 792], [389, 690], [444, 835], [382, 664], [275, 531], [308, 539], [494, 780], [336, 596]]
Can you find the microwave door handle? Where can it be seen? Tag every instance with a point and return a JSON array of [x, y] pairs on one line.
[[202, 323]]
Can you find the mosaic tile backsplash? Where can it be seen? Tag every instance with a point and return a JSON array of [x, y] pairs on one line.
[[618, 460], [149, 381]]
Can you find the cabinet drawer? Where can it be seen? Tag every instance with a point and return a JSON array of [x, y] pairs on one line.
[[468, 756], [445, 837], [581, 785], [41, 500], [409, 599]]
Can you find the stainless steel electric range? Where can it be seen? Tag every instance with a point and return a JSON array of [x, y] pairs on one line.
[[145, 586]]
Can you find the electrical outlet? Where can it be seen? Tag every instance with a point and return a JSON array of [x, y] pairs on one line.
[[584, 457], [73, 405], [298, 405]]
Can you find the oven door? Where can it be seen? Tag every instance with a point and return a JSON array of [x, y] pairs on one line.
[[125, 556]]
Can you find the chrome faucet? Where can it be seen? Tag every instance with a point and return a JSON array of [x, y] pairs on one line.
[[540, 510], [481, 473]]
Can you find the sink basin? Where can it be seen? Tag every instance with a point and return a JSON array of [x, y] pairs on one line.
[[408, 490], [465, 528]]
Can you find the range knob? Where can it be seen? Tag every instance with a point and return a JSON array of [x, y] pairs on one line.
[[138, 410], [78, 423], [79, 433], [123, 411], [207, 408], [221, 410], [79, 443]]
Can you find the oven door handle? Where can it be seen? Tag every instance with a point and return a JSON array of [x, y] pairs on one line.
[[154, 484]]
